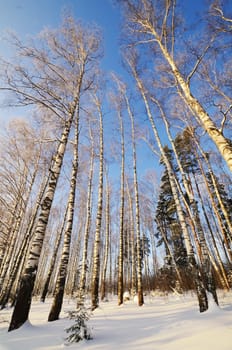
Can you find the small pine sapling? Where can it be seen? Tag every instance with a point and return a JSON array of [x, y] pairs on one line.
[[79, 330]]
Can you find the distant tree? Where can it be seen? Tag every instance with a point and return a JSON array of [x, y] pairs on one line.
[[97, 238], [107, 239], [82, 283], [139, 256]]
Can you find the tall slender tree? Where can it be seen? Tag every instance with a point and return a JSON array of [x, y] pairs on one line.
[[57, 88], [84, 266], [152, 24], [61, 278], [122, 205], [200, 288], [97, 240], [137, 210]]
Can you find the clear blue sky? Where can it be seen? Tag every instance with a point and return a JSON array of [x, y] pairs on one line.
[[28, 17]]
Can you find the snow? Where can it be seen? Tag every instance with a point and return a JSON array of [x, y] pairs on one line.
[[163, 323]]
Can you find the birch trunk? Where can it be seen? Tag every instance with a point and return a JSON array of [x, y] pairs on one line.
[[137, 210], [107, 240], [227, 239], [169, 249], [222, 276], [17, 263], [222, 143], [200, 289], [12, 237], [82, 284], [121, 232], [53, 261], [223, 209], [132, 239], [14, 249], [61, 278], [24, 297], [97, 241]]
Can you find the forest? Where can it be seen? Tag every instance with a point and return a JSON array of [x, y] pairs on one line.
[[118, 183]]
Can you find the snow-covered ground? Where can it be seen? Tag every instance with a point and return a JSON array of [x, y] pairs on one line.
[[163, 323]]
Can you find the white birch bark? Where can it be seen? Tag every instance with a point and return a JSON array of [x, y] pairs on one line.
[[28, 278], [61, 278], [82, 282], [137, 210], [202, 116], [97, 241], [121, 228], [202, 297], [107, 240], [132, 240]]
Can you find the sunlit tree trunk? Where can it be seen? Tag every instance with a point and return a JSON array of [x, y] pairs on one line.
[[143, 16], [97, 240], [23, 302], [84, 266], [200, 289], [107, 240], [18, 260], [63, 70], [53, 260], [61, 278], [132, 240], [226, 238], [137, 210], [121, 229], [222, 275]]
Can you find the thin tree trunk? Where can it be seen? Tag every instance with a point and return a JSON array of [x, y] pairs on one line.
[[194, 215], [62, 272], [200, 289], [84, 267], [137, 210], [221, 225], [53, 261], [132, 239], [121, 232], [24, 297], [222, 276], [97, 241], [107, 240], [16, 269], [171, 254]]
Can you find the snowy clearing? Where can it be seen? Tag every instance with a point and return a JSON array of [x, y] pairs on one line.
[[163, 323]]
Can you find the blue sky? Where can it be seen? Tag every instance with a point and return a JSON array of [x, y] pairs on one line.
[[28, 17]]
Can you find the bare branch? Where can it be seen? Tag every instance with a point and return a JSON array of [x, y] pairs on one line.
[[199, 60]]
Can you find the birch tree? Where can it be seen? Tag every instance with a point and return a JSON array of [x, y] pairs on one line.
[[200, 288], [61, 278], [137, 209], [55, 83], [107, 238], [97, 240], [153, 23], [121, 228], [84, 266]]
